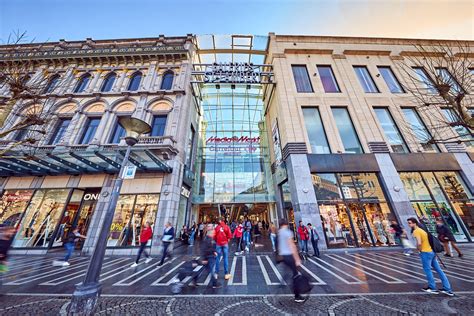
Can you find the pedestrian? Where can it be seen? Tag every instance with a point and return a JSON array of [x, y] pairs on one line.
[[222, 237], [289, 254], [273, 236], [428, 260], [7, 233], [184, 235], [303, 236], [314, 238], [256, 231], [238, 234], [209, 255], [145, 236], [233, 226], [445, 235], [402, 237], [167, 239], [247, 232], [71, 238], [192, 234], [201, 230]]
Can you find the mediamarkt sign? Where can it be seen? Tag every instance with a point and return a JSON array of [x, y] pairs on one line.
[[233, 139], [232, 73]]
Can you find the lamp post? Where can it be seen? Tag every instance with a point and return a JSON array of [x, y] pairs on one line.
[[86, 295]]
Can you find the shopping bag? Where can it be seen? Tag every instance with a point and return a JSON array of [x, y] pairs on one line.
[[301, 284]]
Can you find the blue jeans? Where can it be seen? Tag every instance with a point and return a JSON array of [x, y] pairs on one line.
[[428, 260], [273, 239], [222, 250], [247, 239], [69, 249], [191, 238], [303, 245]]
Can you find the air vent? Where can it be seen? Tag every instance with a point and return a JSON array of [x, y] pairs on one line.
[[294, 148], [378, 147], [455, 147]]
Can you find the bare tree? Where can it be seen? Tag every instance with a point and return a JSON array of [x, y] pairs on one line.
[[439, 77], [24, 106]]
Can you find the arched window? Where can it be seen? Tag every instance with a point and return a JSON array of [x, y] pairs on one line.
[[52, 83], [82, 83], [108, 82], [167, 82], [135, 81]]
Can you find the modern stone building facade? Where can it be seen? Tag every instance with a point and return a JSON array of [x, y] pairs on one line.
[[308, 128]]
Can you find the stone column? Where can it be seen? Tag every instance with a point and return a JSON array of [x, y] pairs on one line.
[[120, 83], [168, 205], [303, 198], [467, 168], [67, 81], [93, 87], [102, 129], [149, 78], [394, 190]]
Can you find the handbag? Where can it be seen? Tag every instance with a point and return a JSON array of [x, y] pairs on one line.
[[301, 284]]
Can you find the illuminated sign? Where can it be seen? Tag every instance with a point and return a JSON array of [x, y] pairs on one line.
[[233, 139]]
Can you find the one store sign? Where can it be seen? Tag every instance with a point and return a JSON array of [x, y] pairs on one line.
[[129, 172], [232, 73]]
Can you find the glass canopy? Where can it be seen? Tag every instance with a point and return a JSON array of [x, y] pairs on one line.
[[233, 163]]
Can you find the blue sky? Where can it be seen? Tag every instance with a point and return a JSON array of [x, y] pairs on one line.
[[50, 20]]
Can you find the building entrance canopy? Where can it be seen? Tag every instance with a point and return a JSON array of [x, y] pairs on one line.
[[78, 162], [230, 82]]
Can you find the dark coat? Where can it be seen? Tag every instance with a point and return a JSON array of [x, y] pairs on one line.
[[444, 233]]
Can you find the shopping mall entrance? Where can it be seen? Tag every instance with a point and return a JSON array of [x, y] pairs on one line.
[[258, 212]]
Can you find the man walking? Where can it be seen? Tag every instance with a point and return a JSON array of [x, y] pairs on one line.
[[428, 260], [209, 254], [247, 232], [72, 236], [167, 239], [222, 237], [145, 236], [314, 237]]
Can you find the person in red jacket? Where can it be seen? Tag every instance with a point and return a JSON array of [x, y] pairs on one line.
[[303, 236], [222, 237], [238, 232], [145, 236]]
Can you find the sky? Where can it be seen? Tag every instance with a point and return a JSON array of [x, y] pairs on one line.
[[51, 20]]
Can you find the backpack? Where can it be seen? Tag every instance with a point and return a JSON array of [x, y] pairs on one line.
[[435, 243]]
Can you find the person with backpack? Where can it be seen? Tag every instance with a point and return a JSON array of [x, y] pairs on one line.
[[314, 238], [428, 246], [167, 239], [72, 236], [222, 237], [145, 236], [303, 236], [286, 249], [445, 235]]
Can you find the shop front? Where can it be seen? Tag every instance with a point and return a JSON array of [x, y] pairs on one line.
[[441, 196], [353, 210]]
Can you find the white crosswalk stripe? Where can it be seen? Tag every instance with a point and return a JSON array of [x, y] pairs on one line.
[[265, 273], [244, 271], [170, 272], [342, 272], [363, 269], [314, 276], [135, 280], [47, 265]]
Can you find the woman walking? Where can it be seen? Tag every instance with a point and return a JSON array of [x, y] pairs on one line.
[[145, 236], [446, 237]]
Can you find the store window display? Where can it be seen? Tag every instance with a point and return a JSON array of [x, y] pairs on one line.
[[131, 214], [12, 205]]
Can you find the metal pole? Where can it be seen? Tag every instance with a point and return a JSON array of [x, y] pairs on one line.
[[85, 297]]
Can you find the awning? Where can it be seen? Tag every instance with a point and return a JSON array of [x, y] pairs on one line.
[[79, 162]]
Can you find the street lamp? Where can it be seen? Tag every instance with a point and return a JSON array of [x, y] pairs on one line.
[[86, 295]]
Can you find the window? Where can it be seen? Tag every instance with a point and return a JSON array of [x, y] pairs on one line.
[[346, 131], [425, 80], [167, 82], [365, 79], [390, 79], [82, 83], [52, 83], [119, 132], [391, 131], [20, 135], [158, 125], [60, 131], [135, 81], [108, 82], [327, 79], [463, 132], [300, 73], [419, 129], [89, 132], [447, 78], [190, 148], [316, 134]]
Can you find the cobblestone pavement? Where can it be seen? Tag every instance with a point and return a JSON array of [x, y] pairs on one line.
[[388, 304]]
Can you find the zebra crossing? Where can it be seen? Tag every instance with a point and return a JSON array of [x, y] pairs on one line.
[[333, 272]]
